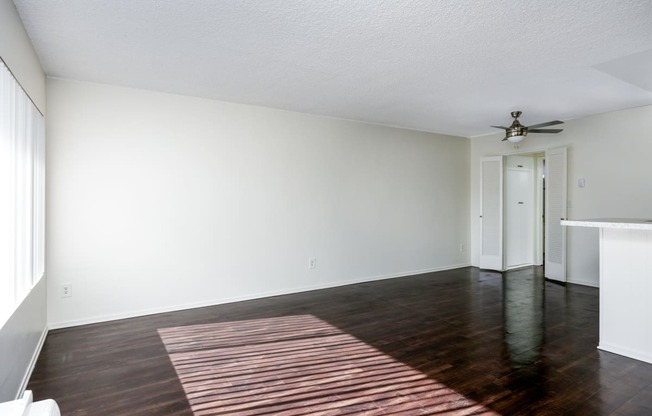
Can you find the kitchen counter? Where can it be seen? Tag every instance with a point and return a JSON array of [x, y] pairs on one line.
[[625, 285], [628, 223]]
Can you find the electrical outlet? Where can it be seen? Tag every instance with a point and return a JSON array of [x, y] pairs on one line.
[[312, 263], [462, 248], [66, 290]]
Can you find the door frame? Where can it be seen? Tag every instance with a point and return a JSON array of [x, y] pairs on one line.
[[545, 225], [510, 224]]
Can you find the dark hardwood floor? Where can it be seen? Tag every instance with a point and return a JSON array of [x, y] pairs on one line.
[[512, 342]]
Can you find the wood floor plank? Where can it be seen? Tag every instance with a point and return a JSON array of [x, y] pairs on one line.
[[510, 343]]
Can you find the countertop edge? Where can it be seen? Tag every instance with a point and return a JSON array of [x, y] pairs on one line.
[[624, 223]]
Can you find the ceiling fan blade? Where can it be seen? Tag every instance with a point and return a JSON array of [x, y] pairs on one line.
[[500, 127], [504, 139], [546, 124], [544, 130]]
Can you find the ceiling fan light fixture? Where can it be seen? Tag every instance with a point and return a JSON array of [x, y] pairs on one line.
[[516, 139]]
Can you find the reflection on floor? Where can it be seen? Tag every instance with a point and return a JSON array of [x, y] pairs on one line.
[[511, 342], [523, 305]]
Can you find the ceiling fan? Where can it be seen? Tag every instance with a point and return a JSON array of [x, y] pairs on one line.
[[517, 132]]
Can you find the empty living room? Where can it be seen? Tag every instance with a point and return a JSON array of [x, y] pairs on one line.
[[318, 208]]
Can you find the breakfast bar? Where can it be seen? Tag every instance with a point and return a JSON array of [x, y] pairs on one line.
[[625, 285]]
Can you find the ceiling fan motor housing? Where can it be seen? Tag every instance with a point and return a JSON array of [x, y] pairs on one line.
[[516, 129]]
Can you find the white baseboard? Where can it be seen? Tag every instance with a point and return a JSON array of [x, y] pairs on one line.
[[213, 302], [583, 282], [32, 363], [626, 352]]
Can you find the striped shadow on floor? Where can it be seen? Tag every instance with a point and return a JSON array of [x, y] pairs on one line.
[[299, 365]]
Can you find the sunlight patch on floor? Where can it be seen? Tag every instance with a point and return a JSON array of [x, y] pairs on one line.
[[299, 365]]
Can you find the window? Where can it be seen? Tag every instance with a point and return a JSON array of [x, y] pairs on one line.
[[22, 194]]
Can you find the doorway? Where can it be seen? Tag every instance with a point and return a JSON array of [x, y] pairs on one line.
[[522, 200], [524, 210]]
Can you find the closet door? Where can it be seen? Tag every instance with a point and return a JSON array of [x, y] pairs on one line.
[[555, 234], [519, 216], [491, 213]]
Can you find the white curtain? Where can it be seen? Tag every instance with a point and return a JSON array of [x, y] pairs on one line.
[[22, 194]]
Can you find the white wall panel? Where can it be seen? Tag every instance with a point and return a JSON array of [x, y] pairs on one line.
[[626, 288], [21, 339], [159, 202]]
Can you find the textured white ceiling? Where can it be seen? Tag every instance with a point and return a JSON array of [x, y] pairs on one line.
[[448, 66]]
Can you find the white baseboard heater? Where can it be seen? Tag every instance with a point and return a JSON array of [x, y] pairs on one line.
[[28, 407]]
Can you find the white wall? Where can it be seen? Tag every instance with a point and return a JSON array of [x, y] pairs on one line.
[[612, 152], [22, 334], [159, 202], [21, 338], [17, 51]]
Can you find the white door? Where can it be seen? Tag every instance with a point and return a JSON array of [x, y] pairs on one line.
[[555, 234], [491, 213], [519, 217], [539, 210]]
